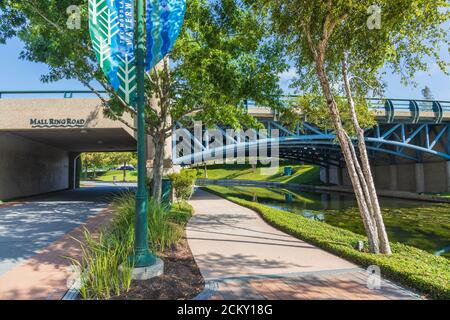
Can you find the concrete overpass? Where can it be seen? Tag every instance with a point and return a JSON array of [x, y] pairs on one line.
[[41, 140]]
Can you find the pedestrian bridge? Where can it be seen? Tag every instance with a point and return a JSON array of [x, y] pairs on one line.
[[409, 148]]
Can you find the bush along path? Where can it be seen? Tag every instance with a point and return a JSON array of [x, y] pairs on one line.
[[105, 251], [412, 267]]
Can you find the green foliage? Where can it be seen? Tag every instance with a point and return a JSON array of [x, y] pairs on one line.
[[183, 183], [303, 174], [108, 176], [162, 231], [102, 255], [411, 31], [409, 266], [224, 54], [315, 110]]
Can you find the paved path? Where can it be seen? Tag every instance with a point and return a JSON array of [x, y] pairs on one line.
[[35, 235], [242, 257]]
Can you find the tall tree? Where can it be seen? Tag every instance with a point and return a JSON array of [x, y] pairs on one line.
[[94, 161], [223, 56], [123, 159], [339, 47]]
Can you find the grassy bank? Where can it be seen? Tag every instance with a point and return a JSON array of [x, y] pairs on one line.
[[105, 252], [108, 176], [407, 265], [303, 174]]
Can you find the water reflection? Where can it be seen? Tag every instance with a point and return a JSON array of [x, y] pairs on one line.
[[420, 224]]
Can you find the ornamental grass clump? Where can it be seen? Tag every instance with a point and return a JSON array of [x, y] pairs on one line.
[[105, 270]]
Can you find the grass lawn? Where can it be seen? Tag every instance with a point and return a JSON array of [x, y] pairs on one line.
[[303, 174], [109, 176], [407, 265], [442, 195]]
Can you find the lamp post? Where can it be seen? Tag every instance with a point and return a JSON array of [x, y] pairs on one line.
[[142, 256]]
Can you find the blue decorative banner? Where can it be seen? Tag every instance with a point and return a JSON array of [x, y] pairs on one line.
[[111, 26], [164, 21]]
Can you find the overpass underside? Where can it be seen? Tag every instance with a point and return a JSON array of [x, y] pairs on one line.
[[41, 140]]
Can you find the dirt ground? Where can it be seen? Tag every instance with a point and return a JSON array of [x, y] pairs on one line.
[[181, 280]]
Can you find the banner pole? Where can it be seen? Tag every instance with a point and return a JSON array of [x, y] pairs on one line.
[[142, 255]]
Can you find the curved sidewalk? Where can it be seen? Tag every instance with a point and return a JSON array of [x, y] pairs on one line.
[[242, 257], [37, 235]]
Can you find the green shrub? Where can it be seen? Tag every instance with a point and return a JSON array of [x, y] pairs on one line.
[[407, 265], [104, 254], [183, 184]]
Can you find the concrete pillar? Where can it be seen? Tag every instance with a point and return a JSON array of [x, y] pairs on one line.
[[325, 175], [74, 170], [168, 165], [420, 178], [447, 169], [325, 200], [340, 176], [393, 179]]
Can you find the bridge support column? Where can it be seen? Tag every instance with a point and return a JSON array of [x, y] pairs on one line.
[[325, 175], [447, 169], [340, 176], [74, 170], [393, 179], [420, 178]]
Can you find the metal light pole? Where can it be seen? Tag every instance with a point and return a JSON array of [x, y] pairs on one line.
[[142, 255]]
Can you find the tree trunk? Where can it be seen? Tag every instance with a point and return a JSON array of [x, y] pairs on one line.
[[365, 164], [206, 170], [344, 143], [124, 172], [158, 167]]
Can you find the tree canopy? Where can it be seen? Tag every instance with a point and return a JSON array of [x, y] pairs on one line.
[[224, 55]]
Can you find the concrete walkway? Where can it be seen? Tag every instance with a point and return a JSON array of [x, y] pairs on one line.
[[242, 257], [36, 236]]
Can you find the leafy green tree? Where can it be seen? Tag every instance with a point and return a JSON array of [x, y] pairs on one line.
[[94, 161], [183, 183], [123, 159], [339, 48], [224, 55]]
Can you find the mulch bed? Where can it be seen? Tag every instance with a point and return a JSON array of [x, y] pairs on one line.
[[181, 280]]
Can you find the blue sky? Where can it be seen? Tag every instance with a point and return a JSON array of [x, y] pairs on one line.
[[17, 74]]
